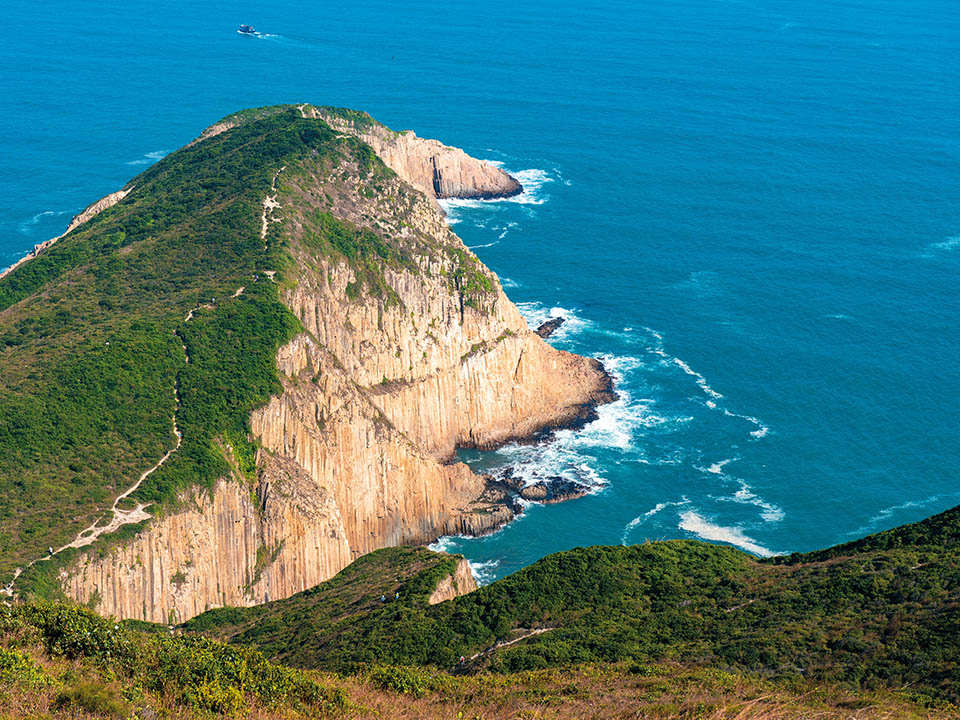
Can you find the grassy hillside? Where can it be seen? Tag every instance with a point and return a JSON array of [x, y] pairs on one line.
[[88, 353], [884, 612], [60, 661]]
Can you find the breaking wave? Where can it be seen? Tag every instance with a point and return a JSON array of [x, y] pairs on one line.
[[884, 515], [533, 181], [28, 226], [536, 314], [640, 519], [483, 572], [713, 396]]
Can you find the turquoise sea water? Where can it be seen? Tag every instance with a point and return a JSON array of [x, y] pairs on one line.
[[749, 210]]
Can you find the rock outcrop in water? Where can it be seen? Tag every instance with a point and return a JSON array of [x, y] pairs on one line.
[[550, 327], [379, 390]]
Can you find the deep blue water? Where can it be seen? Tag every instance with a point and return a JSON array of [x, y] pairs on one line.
[[750, 210]]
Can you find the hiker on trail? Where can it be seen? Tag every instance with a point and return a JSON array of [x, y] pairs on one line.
[[397, 596], [462, 659], [383, 598], [50, 550]]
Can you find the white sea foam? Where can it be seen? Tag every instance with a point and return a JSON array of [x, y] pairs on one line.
[[695, 523], [533, 181], [717, 467], [761, 430], [443, 544], [27, 226], [769, 511], [572, 454], [149, 158], [640, 519], [508, 283], [884, 515], [485, 245], [536, 314], [951, 243], [700, 379], [484, 572]]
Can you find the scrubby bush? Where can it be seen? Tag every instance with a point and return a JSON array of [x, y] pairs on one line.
[[18, 667], [92, 697]]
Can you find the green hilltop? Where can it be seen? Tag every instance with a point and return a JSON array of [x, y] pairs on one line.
[[95, 384]]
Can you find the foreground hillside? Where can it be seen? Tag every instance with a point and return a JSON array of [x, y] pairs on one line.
[[880, 612], [254, 363], [662, 630], [67, 663]]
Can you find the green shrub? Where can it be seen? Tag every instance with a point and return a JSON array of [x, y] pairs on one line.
[[94, 698], [407, 680], [19, 668]]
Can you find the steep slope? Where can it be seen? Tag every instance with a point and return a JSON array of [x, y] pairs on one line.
[[321, 340], [884, 611]]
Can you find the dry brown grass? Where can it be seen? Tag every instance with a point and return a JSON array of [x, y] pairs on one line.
[[581, 693]]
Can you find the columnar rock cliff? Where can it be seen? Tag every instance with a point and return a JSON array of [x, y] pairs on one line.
[[399, 363]]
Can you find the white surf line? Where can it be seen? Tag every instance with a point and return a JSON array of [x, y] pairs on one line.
[[714, 396], [504, 643]]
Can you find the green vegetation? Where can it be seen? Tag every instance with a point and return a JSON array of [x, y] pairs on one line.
[[365, 251], [92, 332], [882, 612], [357, 119], [174, 677], [18, 667], [124, 667]]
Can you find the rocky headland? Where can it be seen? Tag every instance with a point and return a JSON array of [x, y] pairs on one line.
[[399, 362]]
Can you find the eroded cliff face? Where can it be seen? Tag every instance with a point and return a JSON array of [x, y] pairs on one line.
[[435, 169], [459, 583], [400, 362]]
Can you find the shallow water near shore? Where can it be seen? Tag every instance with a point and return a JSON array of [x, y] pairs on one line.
[[750, 212]]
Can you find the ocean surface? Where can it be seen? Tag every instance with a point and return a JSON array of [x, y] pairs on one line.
[[749, 211]]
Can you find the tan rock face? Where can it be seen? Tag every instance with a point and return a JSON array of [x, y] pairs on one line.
[[459, 583], [379, 391], [437, 170]]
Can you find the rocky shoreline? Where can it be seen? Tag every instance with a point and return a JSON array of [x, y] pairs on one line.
[[87, 213], [505, 494]]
